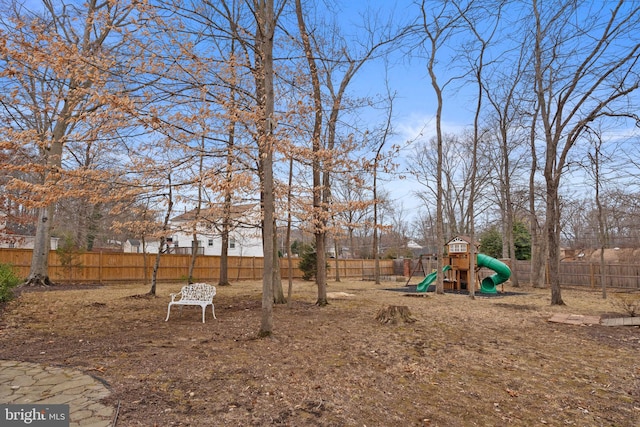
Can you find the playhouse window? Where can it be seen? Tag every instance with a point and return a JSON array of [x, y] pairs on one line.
[[458, 247]]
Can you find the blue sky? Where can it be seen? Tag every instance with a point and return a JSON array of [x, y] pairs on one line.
[[415, 106]]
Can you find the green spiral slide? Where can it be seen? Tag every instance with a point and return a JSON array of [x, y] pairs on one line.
[[503, 272]]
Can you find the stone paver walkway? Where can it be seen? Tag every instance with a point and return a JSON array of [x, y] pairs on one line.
[[23, 382]]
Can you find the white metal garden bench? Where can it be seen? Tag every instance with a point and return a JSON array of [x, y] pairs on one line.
[[195, 294]]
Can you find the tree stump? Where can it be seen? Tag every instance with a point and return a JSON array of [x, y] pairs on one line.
[[393, 314]]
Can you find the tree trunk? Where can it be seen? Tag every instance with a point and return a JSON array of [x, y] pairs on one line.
[[278, 292], [510, 245], [145, 260], [265, 22], [553, 237], [321, 273], [512, 249], [434, 39], [196, 217], [538, 260], [374, 248], [194, 254], [266, 325], [163, 238], [39, 271], [316, 163], [224, 248], [224, 256], [226, 214], [287, 240], [156, 266], [538, 244], [336, 246], [92, 227]]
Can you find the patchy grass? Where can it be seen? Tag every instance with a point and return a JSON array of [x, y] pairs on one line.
[[489, 361]]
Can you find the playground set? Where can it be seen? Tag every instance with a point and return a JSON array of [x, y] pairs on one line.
[[457, 266]]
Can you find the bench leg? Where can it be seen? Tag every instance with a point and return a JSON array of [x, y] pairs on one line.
[[203, 310], [168, 313], [213, 310]]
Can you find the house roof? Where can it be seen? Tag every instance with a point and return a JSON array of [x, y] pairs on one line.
[[214, 212]]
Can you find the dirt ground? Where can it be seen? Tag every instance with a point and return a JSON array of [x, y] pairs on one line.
[[488, 362]]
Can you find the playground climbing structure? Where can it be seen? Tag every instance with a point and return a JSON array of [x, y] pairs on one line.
[[457, 268]]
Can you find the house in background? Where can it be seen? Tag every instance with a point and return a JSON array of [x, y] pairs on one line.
[[135, 246], [18, 241], [19, 236], [245, 233]]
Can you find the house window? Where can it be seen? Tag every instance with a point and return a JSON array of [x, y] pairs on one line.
[[232, 243], [210, 242], [457, 247]]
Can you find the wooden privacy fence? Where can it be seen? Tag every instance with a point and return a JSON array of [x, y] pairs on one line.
[[118, 267], [585, 274]]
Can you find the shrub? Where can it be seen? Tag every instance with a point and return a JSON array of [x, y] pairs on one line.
[[8, 281], [629, 303], [68, 254], [308, 262]]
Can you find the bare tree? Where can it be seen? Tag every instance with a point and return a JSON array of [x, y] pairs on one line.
[[351, 194], [596, 162], [319, 220], [266, 20], [385, 135], [538, 243], [163, 246], [504, 89], [198, 209], [439, 22], [581, 75], [333, 63], [475, 20]]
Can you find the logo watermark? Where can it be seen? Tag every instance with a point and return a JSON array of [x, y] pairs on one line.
[[34, 415]]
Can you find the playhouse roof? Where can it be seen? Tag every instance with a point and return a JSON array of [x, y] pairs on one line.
[[462, 239]]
